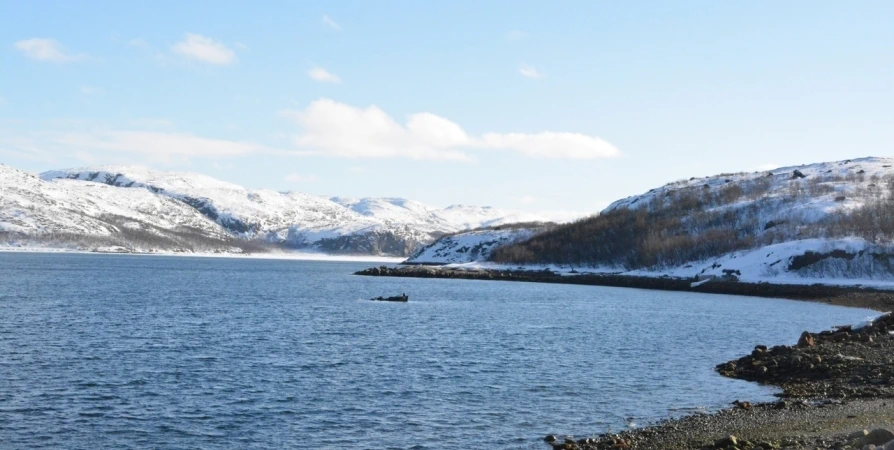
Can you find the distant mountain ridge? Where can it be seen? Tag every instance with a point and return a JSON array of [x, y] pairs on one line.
[[139, 209]]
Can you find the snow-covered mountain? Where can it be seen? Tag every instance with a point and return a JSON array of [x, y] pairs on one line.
[[76, 214], [102, 201], [809, 222], [808, 192]]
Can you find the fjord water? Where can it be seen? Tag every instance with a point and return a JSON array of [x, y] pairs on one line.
[[112, 351]]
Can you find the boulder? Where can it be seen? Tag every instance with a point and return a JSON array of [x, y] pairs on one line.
[[879, 436], [726, 442], [857, 435], [806, 340]]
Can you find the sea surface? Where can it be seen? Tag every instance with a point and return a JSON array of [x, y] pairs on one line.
[[117, 351]]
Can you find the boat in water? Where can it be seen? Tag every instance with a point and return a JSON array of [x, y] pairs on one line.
[[396, 298]]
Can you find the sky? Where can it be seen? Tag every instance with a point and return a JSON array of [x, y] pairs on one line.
[[554, 107]]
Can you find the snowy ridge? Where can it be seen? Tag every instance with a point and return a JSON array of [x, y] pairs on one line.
[[839, 180], [106, 200]]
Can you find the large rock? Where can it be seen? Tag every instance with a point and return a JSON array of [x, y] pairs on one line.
[[879, 436], [806, 340]]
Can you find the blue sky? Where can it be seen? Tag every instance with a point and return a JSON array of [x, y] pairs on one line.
[[536, 106]]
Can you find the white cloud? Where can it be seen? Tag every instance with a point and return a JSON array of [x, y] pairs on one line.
[[157, 146], [3, 101], [296, 178], [516, 35], [46, 50], [549, 144], [529, 71], [89, 90], [331, 23], [322, 75], [204, 49], [336, 129], [527, 199], [357, 169]]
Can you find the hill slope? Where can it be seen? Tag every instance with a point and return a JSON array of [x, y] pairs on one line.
[[825, 219], [474, 245]]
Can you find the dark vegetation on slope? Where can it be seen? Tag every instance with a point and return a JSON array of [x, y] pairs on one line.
[[371, 243], [137, 236], [696, 222]]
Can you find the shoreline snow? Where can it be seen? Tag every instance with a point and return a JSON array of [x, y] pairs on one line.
[[293, 256]]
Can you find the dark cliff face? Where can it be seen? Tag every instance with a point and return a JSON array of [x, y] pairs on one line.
[[372, 243]]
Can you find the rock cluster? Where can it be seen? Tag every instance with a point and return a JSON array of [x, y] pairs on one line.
[[843, 363], [878, 439]]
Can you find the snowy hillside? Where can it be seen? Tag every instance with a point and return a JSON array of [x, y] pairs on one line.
[[104, 200], [832, 219], [68, 211], [472, 246], [838, 261], [830, 187]]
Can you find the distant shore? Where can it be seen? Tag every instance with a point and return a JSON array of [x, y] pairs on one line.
[[860, 297], [294, 256]]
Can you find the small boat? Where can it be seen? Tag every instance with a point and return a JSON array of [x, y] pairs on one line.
[[396, 298]]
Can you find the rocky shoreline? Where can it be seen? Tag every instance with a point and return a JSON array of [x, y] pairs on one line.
[[838, 393], [837, 385]]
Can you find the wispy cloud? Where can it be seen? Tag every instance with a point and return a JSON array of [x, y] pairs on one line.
[[529, 71], [515, 36], [322, 75], [204, 49], [297, 178], [89, 90], [336, 129], [331, 23], [47, 50]]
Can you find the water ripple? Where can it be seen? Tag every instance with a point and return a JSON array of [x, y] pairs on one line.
[[156, 352]]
